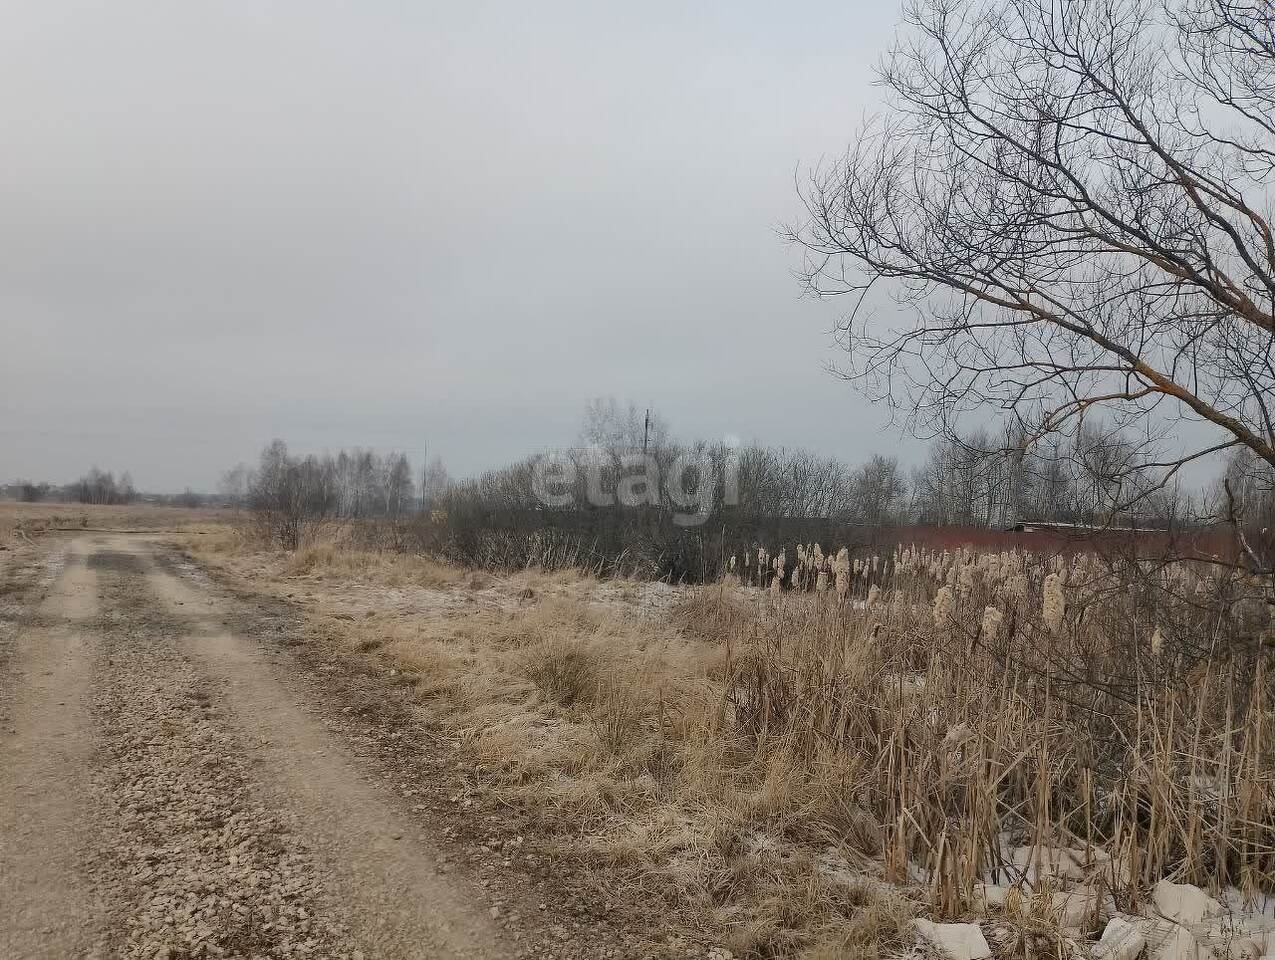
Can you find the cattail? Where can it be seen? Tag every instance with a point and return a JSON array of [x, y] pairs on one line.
[[943, 604], [1015, 588], [1054, 604], [1157, 642], [965, 579], [992, 619], [992, 567], [842, 569], [874, 594], [821, 581]]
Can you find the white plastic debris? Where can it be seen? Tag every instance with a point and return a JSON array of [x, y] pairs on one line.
[[1184, 903], [957, 941], [1121, 940]]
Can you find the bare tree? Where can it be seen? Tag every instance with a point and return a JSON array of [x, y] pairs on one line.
[[621, 429], [101, 486], [292, 498], [435, 482], [879, 491], [1250, 481], [1070, 202], [234, 484], [30, 492], [398, 488]]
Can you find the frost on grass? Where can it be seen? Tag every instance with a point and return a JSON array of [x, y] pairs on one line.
[[924, 720]]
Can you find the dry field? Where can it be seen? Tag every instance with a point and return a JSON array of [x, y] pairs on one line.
[[1045, 758], [25, 522], [984, 739]]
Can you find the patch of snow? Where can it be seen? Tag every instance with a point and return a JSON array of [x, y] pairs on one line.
[[1121, 940], [957, 941], [1184, 903]]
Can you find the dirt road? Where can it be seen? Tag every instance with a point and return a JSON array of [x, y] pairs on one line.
[[165, 793]]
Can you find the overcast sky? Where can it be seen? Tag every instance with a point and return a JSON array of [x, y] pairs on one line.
[[375, 223]]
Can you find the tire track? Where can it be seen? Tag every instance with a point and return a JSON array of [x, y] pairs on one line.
[[401, 905], [165, 796], [48, 908], [196, 862]]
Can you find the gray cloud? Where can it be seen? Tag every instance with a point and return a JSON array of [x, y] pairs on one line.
[[378, 222]]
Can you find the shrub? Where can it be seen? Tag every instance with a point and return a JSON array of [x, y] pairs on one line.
[[564, 671]]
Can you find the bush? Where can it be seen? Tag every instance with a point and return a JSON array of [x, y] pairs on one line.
[[565, 672]]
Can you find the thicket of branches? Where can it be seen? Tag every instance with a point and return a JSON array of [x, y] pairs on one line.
[[97, 486], [501, 519], [1062, 212], [30, 492], [292, 498], [1091, 477], [781, 496], [102, 487]]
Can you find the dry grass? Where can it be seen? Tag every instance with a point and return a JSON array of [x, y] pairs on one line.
[[790, 775], [382, 567], [1054, 721], [21, 522]]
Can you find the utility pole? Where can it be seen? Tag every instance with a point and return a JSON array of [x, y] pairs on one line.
[[646, 438], [424, 470]]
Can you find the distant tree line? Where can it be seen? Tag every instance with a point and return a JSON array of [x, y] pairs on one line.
[[975, 479], [102, 487], [778, 495], [29, 492], [630, 499], [291, 498], [1093, 476], [96, 486]]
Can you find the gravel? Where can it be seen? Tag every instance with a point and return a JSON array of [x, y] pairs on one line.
[[197, 864]]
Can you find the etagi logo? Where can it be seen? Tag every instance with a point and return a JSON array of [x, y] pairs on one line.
[[693, 482]]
